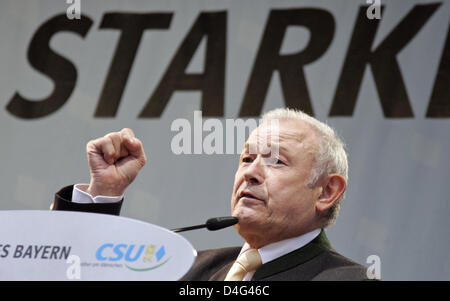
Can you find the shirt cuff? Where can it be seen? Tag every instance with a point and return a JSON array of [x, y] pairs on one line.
[[82, 197]]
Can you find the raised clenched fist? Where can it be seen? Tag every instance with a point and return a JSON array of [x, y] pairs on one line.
[[114, 162]]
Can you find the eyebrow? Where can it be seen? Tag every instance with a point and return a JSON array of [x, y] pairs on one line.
[[281, 148]]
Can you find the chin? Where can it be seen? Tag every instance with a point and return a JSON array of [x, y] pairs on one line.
[[244, 214], [253, 233], [248, 222]]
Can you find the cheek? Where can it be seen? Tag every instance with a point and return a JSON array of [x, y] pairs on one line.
[[239, 178], [284, 187], [237, 183], [289, 196]]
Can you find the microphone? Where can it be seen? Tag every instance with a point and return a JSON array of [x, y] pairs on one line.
[[212, 224]]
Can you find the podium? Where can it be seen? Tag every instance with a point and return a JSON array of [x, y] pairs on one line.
[[69, 246]]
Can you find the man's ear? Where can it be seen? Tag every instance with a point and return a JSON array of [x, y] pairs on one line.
[[333, 187]]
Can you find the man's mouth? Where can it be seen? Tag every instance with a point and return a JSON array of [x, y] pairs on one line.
[[249, 195]]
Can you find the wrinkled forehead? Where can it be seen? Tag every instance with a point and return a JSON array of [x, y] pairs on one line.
[[284, 132]]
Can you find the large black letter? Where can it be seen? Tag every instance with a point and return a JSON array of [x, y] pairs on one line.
[[385, 69], [290, 67], [59, 69], [211, 82], [132, 26], [439, 106]]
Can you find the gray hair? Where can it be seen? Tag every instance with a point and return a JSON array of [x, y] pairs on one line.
[[330, 156]]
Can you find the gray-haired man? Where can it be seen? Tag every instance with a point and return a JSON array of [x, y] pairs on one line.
[[282, 207]]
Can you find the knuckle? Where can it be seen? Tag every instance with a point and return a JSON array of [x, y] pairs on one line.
[[112, 141], [91, 145], [103, 140], [113, 137], [127, 131]]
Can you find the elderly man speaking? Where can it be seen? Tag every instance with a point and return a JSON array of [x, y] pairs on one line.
[[283, 207]]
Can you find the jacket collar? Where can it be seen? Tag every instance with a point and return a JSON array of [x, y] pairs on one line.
[[294, 258]]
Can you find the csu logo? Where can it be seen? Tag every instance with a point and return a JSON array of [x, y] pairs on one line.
[[138, 258]]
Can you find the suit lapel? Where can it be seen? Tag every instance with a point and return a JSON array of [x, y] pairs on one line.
[[222, 273], [295, 258]]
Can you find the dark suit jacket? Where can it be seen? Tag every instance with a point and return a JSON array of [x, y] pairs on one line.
[[315, 261]]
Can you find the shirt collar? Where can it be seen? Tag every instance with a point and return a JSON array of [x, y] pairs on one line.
[[277, 249]]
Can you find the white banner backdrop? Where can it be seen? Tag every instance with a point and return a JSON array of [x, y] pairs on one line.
[[378, 74]]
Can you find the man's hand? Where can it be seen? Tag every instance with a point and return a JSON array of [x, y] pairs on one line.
[[114, 162]]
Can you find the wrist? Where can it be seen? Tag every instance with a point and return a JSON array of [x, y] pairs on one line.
[[96, 189]]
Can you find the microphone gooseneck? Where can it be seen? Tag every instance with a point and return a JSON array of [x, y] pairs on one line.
[[212, 224]]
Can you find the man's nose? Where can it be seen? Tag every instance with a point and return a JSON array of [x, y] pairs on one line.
[[254, 174]]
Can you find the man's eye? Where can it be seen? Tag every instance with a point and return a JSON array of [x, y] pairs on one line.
[[247, 160], [280, 162]]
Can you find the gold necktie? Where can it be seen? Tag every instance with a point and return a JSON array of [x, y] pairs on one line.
[[248, 261]]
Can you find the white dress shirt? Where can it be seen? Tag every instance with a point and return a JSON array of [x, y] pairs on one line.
[[268, 253], [277, 249], [79, 196]]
